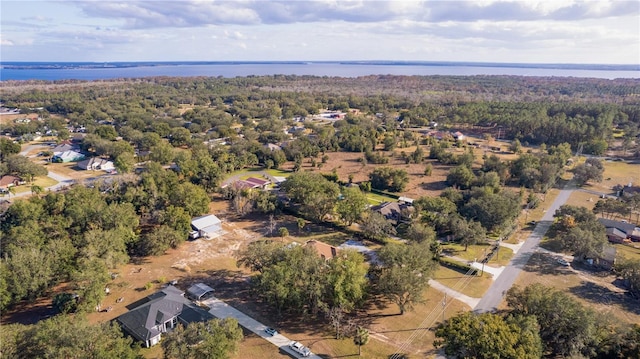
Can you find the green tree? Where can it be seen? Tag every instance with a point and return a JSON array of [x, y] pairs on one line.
[[8, 147], [361, 338], [493, 210], [314, 194], [65, 336], [90, 280], [215, 339], [375, 226], [405, 273], [515, 146], [629, 270], [125, 162], [387, 178], [420, 232], [490, 336], [461, 177], [162, 152], [157, 241], [591, 170], [466, 232], [346, 280], [352, 204], [179, 136], [23, 167], [566, 327]]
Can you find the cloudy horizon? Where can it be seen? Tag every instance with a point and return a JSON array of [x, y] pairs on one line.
[[563, 31]]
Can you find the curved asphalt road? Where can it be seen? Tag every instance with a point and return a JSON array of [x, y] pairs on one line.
[[493, 297]]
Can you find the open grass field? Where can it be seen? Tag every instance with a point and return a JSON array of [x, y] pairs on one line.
[[616, 173], [582, 199]]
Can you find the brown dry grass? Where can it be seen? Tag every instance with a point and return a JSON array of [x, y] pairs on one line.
[[616, 173], [595, 290], [347, 163]]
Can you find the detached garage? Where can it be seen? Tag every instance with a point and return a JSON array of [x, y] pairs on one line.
[[208, 226], [199, 291]]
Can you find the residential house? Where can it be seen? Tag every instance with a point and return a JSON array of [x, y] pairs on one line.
[[159, 313], [63, 147], [608, 258], [96, 163], [10, 181], [273, 147], [629, 229], [459, 136], [617, 236], [249, 183], [394, 211], [67, 156], [326, 251], [207, 226]]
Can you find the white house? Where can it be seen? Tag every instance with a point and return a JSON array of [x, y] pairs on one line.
[[68, 156], [208, 226], [96, 163]]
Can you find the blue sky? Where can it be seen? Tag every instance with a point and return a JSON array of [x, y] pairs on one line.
[[553, 31]]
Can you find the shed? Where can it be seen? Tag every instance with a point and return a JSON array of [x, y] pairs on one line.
[[207, 226], [198, 291]]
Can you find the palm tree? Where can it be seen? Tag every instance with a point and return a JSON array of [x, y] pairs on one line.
[[361, 338]]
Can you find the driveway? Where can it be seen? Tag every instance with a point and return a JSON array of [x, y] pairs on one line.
[[502, 283], [220, 309]]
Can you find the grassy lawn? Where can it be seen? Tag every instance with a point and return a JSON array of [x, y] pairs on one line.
[[451, 278], [478, 251], [616, 173], [43, 182], [279, 173], [375, 198], [582, 199], [628, 251]]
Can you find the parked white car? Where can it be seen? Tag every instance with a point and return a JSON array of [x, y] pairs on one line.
[[300, 349]]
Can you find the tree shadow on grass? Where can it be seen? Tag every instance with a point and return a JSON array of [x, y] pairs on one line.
[[599, 294], [434, 186]]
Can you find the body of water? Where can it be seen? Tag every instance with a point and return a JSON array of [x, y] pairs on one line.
[[80, 71]]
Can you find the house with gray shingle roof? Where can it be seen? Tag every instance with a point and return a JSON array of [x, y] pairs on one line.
[[159, 313]]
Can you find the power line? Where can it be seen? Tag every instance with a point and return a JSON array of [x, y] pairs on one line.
[[432, 317]]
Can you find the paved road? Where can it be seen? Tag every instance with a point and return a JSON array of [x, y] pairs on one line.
[[493, 297], [63, 181], [221, 309]]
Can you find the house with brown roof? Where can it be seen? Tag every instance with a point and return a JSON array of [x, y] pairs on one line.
[[326, 251], [10, 181]]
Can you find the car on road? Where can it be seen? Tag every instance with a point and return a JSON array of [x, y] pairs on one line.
[[271, 331], [563, 262], [300, 349]]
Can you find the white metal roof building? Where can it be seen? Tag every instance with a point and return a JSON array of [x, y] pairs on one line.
[[207, 226]]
